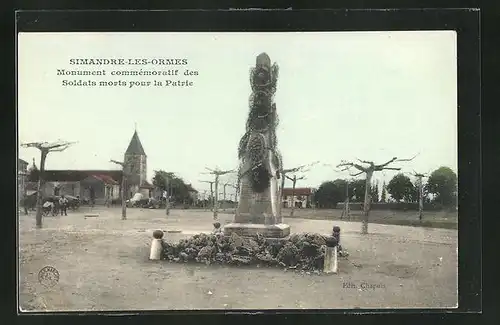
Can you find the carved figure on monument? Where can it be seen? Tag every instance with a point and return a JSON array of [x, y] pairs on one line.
[[260, 160]]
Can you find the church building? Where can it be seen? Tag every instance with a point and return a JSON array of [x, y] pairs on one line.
[[135, 160]]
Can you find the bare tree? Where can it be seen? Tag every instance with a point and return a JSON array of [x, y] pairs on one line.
[[124, 177], [45, 148], [284, 172], [420, 187], [294, 180], [217, 173], [368, 170]]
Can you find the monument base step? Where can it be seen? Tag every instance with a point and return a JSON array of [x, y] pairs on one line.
[[249, 229]]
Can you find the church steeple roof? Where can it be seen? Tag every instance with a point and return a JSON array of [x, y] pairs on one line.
[[135, 146]]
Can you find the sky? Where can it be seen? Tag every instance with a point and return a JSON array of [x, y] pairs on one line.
[[340, 96]]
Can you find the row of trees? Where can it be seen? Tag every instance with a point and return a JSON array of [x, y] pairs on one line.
[[441, 184]]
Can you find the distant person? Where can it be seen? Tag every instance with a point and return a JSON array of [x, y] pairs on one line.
[[63, 205]]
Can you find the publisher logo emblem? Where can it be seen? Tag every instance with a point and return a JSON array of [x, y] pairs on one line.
[[48, 276]]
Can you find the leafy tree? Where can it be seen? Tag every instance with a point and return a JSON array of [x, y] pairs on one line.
[[176, 185], [383, 196], [401, 188], [330, 193], [443, 183]]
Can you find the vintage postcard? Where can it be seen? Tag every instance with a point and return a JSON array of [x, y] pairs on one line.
[[242, 170]]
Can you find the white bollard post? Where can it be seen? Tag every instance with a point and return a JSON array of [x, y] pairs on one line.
[[331, 263], [156, 245]]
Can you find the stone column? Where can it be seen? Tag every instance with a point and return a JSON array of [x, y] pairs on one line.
[[258, 152]]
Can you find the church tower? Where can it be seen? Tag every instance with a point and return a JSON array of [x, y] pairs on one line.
[[136, 164]]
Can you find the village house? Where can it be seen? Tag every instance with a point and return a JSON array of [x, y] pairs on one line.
[[106, 184], [303, 197]]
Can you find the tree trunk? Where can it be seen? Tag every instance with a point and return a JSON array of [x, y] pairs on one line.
[[366, 205], [216, 198], [345, 212], [212, 196], [41, 183], [420, 199], [293, 195], [124, 204]]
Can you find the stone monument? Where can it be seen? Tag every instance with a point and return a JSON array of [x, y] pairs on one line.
[[260, 161]]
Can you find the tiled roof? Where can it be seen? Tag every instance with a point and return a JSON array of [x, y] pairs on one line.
[[135, 146], [106, 179], [21, 161], [78, 175], [298, 191]]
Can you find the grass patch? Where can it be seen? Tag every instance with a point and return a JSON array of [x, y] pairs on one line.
[[436, 223]]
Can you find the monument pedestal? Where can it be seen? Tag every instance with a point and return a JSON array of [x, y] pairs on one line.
[[251, 229]]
